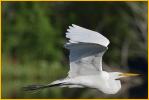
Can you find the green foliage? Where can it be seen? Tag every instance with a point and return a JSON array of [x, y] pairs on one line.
[[31, 31]]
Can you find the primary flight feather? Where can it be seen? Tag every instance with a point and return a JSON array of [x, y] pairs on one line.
[[86, 50]]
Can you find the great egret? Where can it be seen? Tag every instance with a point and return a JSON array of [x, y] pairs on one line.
[[86, 50]]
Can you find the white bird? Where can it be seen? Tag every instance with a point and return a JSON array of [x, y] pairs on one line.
[[86, 50]]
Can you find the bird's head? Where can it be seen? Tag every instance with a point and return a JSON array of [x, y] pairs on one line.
[[119, 75]]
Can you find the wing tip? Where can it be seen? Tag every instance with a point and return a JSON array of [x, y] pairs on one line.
[[71, 33]]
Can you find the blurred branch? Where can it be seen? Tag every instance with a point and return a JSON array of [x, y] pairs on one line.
[[124, 54]]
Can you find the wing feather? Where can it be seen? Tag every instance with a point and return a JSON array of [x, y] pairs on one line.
[[86, 50], [78, 34]]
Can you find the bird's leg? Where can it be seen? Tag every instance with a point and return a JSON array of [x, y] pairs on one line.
[[36, 87]]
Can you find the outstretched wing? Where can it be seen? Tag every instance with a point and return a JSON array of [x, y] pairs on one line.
[[79, 34], [86, 50]]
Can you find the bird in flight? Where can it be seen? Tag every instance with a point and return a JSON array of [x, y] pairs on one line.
[[86, 50]]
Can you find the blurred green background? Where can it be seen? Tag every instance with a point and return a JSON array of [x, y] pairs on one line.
[[33, 38]]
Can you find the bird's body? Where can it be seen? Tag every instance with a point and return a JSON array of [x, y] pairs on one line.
[[86, 50], [101, 81]]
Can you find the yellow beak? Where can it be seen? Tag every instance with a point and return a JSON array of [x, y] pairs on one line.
[[128, 74]]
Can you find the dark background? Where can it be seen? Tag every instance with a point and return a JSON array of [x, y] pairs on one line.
[[33, 38]]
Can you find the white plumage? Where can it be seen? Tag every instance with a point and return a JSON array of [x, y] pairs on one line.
[[78, 34], [86, 50]]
